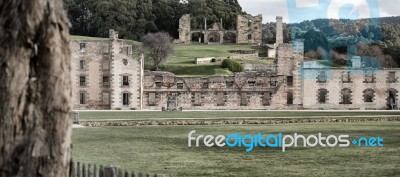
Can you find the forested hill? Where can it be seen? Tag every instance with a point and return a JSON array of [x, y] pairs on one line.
[[134, 18], [383, 33]]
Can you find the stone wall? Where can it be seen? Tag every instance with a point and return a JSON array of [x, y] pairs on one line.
[[249, 29], [92, 55], [243, 91], [357, 85]]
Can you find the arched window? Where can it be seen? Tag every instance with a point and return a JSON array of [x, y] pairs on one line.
[[369, 95], [346, 96], [322, 96]]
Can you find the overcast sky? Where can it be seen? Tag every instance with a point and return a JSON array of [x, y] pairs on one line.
[[313, 9]]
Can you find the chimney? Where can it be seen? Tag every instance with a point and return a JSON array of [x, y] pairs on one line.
[[279, 30], [205, 24]]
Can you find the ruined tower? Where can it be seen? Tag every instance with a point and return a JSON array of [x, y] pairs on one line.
[[279, 31], [184, 29]]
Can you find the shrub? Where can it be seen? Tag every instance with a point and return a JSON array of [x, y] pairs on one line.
[[232, 65]]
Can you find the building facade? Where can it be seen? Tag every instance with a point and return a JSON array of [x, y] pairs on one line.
[[107, 77]]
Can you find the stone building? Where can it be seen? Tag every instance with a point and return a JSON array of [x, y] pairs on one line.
[[104, 74], [248, 31], [107, 77]]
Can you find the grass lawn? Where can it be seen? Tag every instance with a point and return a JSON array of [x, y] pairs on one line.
[[100, 115], [181, 62], [163, 150]]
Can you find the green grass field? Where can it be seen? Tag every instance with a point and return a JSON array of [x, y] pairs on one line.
[[182, 61], [101, 115], [163, 150]]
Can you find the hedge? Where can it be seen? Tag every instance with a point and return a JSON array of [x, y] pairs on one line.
[[232, 65]]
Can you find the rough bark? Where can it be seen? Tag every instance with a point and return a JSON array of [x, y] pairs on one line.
[[35, 89]]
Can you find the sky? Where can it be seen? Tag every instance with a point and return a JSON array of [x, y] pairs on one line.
[[299, 10]]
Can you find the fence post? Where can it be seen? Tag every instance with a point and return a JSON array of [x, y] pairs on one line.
[[101, 171], [95, 171], [126, 174], [83, 170], [78, 169], [72, 168], [133, 174], [109, 171], [89, 170], [120, 174]]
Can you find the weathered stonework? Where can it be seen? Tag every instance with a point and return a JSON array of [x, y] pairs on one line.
[[184, 29], [249, 31], [103, 65], [106, 75]]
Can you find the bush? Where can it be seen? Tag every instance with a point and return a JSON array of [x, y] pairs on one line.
[[232, 65]]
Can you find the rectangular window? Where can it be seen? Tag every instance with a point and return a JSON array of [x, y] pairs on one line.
[[82, 98], [125, 99], [106, 80], [106, 98], [205, 85], [82, 81], [346, 77], [392, 77], [82, 65], [322, 77], [290, 98], [179, 85], [252, 83], [229, 84], [158, 84], [82, 47], [289, 81], [125, 81], [369, 77]]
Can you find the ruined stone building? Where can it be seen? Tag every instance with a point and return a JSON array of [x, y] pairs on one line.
[[107, 77], [104, 74], [248, 31]]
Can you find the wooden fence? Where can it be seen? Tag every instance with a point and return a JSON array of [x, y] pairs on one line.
[[88, 170]]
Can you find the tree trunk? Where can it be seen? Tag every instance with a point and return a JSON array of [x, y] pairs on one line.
[[35, 89]]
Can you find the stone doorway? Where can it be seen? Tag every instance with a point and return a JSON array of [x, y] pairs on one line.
[[392, 99], [172, 102]]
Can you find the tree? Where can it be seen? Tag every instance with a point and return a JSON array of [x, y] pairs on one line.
[[158, 47], [35, 89]]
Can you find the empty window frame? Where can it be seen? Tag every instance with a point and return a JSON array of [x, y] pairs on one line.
[[392, 77], [82, 47], [289, 81], [125, 99], [369, 95], [290, 98], [322, 77], [82, 81], [82, 64], [322, 96], [125, 80], [82, 98], [346, 78], [346, 96]]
